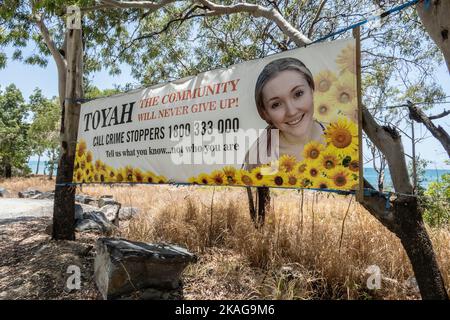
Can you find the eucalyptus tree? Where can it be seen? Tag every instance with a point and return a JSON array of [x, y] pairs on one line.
[[155, 37]]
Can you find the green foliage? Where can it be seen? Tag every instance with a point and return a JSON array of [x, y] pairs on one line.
[[44, 129], [14, 146], [437, 202]]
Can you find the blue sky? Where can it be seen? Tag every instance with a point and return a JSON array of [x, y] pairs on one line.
[[27, 78]]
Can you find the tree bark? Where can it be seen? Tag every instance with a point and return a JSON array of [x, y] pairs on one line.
[[438, 132], [263, 205], [37, 167], [251, 205], [8, 170], [64, 205], [435, 17]]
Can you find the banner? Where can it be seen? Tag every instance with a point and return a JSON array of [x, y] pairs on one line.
[[287, 120]]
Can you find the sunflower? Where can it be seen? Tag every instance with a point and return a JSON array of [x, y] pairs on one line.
[[258, 177], [339, 178], [82, 162], [96, 176], [88, 169], [300, 168], [347, 59], [305, 182], [321, 183], [203, 178], [277, 180], [344, 96], [149, 177], [139, 175], [110, 173], [287, 162], [245, 178], [313, 171], [161, 179], [230, 174], [78, 175], [89, 156], [128, 174], [98, 164], [81, 148], [325, 109], [217, 177], [193, 180], [354, 165], [328, 160], [292, 179], [342, 136], [120, 176], [312, 150], [103, 176], [324, 80]]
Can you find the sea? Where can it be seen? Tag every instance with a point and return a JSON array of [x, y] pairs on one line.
[[369, 173]]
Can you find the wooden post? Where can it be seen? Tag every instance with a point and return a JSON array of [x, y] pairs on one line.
[[357, 36]]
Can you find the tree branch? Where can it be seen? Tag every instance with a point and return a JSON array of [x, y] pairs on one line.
[[389, 142], [258, 11], [439, 133], [150, 5], [440, 115], [316, 18], [61, 63], [59, 59]]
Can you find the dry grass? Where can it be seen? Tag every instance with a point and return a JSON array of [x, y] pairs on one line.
[[239, 261], [21, 184], [295, 256]]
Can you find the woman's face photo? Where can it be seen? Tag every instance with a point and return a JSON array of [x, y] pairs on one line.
[[288, 103]]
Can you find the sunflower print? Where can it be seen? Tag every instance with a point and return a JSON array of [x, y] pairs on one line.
[[324, 80], [203, 178], [287, 163], [245, 178], [339, 178], [217, 177], [312, 151], [342, 136], [346, 60], [328, 160], [325, 109]]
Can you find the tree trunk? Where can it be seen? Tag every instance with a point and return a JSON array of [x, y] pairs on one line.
[[263, 205], [419, 249], [39, 161], [8, 170], [64, 205], [251, 205], [434, 16]]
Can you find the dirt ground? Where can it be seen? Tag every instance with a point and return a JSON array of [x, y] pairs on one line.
[[34, 267]]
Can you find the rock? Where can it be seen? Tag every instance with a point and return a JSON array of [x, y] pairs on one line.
[[105, 201], [111, 211], [122, 266], [28, 193], [411, 283], [127, 213], [81, 198], [94, 221], [3, 192], [50, 195], [107, 196]]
